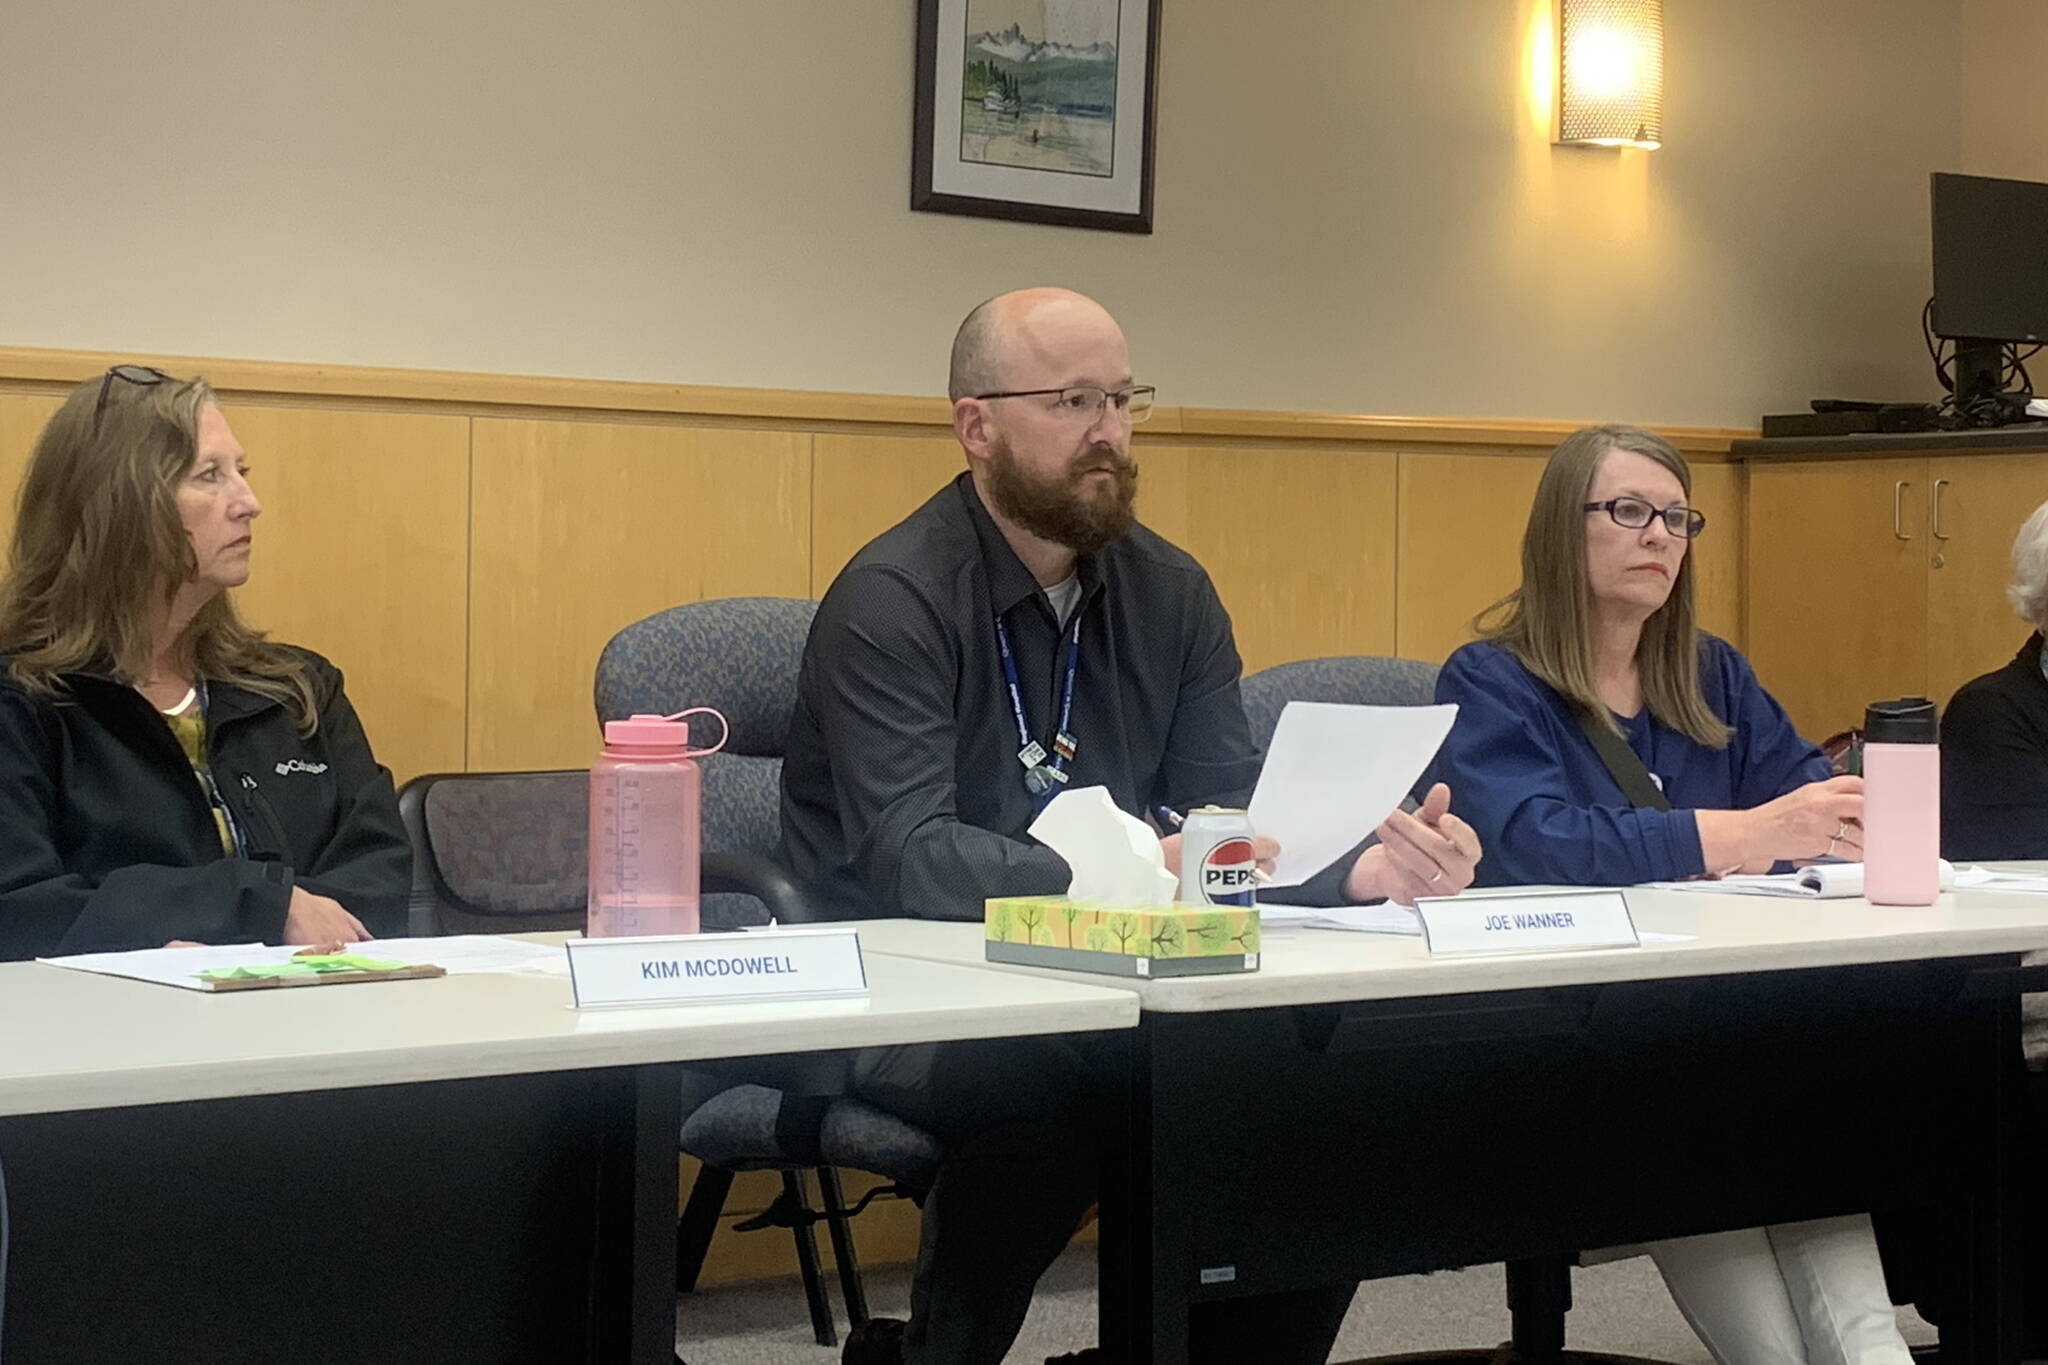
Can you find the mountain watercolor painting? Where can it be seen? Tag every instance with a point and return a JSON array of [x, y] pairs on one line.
[[1038, 87]]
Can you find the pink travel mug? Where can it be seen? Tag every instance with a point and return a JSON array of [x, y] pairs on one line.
[[1901, 802]]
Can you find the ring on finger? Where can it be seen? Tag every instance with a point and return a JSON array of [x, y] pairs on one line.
[[1436, 876]]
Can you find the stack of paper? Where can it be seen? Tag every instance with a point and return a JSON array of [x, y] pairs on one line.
[[1844, 881], [459, 955], [1357, 919]]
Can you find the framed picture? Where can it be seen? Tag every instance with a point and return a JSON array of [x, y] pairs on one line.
[[1037, 110]]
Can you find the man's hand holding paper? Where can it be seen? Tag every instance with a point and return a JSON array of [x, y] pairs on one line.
[[1334, 772]]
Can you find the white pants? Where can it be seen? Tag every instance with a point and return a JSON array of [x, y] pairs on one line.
[[1789, 1294]]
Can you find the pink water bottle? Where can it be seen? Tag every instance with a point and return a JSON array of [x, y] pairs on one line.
[[1901, 802], [646, 803]]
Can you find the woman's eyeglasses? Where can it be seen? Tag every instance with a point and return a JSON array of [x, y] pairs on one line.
[[144, 375], [1680, 520]]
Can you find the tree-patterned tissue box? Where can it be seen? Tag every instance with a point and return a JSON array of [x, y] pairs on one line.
[[1162, 941]]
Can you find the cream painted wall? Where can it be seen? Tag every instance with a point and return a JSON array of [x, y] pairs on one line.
[[2004, 101], [1357, 207]]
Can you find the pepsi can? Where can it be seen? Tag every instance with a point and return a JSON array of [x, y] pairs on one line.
[[1217, 863]]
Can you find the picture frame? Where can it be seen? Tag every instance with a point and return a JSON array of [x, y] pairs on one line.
[[1038, 111]]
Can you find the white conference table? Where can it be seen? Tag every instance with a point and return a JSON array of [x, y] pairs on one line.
[[462, 1169], [79, 1041], [1358, 1108], [1724, 934]]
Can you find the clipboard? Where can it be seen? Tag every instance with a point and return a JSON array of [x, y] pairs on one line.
[[314, 969]]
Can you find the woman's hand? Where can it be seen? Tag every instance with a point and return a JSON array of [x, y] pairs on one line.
[[1818, 820], [319, 919]]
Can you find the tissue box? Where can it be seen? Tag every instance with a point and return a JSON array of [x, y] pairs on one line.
[[1158, 941]]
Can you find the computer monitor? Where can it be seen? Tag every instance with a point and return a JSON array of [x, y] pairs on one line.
[[1990, 274]]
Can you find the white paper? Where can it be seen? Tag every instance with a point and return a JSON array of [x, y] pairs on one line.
[[173, 966], [1821, 881], [1334, 772], [1987, 879], [460, 955], [1357, 919], [472, 954]]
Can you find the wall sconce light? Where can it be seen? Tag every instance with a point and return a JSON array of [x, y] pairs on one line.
[[1610, 88]]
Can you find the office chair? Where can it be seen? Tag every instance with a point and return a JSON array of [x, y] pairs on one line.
[[741, 656], [1359, 680]]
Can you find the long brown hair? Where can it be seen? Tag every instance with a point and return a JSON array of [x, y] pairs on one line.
[[1548, 622], [99, 547]]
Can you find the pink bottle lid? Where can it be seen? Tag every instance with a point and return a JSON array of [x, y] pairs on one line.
[[669, 734], [647, 732]]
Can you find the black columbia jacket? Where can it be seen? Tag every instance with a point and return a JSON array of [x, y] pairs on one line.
[[107, 842]]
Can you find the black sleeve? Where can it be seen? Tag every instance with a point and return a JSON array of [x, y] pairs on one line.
[[883, 671], [1994, 780], [47, 910], [1210, 757], [367, 864]]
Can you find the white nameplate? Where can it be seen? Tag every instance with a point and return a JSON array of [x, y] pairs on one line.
[[694, 969], [1526, 922]]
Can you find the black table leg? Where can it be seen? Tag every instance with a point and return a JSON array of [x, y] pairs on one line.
[[633, 1272], [1981, 1316]]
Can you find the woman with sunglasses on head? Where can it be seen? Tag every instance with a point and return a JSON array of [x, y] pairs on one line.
[[1603, 740], [167, 774]]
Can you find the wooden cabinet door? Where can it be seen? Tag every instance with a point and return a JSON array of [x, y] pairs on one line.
[[1838, 555], [1975, 506]]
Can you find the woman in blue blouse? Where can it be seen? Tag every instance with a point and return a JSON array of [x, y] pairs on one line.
[[1600, 633], [1603, 626]]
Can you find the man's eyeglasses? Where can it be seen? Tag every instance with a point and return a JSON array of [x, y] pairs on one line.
[[1680, 520], [1087, 402], [145, 375]]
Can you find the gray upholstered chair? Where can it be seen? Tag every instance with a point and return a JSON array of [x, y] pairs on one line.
[[741, 656], [496, 853], [1360, 679]]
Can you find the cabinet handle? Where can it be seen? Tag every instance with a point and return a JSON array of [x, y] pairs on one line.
[[1898, 501], [1934, 516]]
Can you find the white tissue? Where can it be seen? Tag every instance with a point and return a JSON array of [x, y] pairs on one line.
[[1115, 856]]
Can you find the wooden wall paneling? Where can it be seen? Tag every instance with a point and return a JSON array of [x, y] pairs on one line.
[[362, 554], [863, 485], [22, 418], [1459, 542], [1971, 629], [580, 528], [1837, 602], [1299, 542], [1719, 556]]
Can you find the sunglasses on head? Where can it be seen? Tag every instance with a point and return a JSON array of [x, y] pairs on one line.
[[144, 375]]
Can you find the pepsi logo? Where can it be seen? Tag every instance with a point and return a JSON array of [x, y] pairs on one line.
[[1228, 868]]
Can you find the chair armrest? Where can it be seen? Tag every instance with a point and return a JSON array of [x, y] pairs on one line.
[[422, 902], [753, 875]]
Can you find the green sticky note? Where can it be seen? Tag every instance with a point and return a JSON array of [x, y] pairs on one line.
[[318, 965]]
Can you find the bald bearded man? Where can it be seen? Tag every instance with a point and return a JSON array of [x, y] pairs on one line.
[[1018, 634]]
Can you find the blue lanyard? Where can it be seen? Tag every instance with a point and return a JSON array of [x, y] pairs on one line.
[[1043, 780]]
